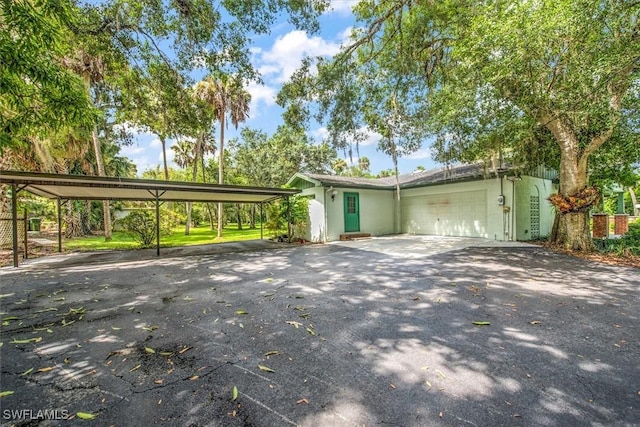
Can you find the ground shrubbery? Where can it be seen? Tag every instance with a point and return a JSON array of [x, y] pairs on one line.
[[298, 208], [141, 225], [629, 244]]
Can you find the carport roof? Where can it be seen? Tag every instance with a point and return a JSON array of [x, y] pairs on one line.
[[81, 187]]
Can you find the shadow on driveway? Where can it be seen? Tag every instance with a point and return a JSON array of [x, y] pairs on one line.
[[377, 332]]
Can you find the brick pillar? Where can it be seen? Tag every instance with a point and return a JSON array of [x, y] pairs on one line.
[[621, 224], [600, 225]]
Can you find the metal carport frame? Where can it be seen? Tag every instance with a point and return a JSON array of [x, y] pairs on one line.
[[80, 187]]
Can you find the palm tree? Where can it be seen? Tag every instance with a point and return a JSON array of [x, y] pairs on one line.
[[92, 69], [339, 166], [364, 164], [224, 94]]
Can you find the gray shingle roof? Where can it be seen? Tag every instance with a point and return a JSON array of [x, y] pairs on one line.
[[415, 179]]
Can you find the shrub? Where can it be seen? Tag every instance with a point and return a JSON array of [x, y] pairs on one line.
[[141, 225], [277, 216], [631, 240], [629, 244]]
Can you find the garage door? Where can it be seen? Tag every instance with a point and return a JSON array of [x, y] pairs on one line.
[[455, 214]]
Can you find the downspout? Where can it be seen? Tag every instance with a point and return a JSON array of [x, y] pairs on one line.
[[513, 209], [513, 180], [326, 215], [503, 214]]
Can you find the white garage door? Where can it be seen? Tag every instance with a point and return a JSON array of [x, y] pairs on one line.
[[455, 214]]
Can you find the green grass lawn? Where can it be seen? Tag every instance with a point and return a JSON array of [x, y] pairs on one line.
[[198, 236]]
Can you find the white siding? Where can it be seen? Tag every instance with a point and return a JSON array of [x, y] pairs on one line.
[[376, 212], [539, 189]]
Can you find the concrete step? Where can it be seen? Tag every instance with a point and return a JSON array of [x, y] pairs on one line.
[[355, 236]]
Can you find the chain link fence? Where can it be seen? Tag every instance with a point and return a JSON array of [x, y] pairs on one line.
[[6, 232]]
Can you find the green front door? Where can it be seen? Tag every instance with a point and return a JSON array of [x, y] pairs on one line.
[[351, 212]]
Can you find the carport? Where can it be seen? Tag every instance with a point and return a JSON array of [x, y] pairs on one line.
[[62, 187]]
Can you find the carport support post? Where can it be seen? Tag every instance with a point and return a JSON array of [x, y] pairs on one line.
[[14, 213], [26, 235], [59, 226], [261, 226], [288, 219], [157, 224]]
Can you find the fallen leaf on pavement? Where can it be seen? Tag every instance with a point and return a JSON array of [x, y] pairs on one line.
[[85, 415]]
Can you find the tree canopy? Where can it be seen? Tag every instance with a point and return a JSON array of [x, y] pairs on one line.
[[535, 82]]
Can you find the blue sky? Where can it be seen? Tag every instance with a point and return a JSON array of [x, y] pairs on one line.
[[277, 56]]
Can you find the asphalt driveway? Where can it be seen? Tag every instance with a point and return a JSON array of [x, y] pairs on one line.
[[403, 331]]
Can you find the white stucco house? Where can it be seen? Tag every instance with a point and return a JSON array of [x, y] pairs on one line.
[[466, 200]]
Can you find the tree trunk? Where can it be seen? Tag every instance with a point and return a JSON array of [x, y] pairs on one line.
[[252, 216], [187, 227], [106, 212], [85, 218], [204, 179], [164, 157], [211, 215], [573, 228], [239, 215], [221, 172], [72, 221], [574, 232]]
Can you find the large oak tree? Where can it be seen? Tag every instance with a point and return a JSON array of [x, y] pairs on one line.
[[525, 79]]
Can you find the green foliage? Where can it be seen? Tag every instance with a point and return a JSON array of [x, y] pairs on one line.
[[37, 94], [141, 225], [270, 161], [551, 83], [629, 244], [278, 212]]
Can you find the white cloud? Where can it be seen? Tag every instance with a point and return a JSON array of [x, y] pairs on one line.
[[132, 150], [132, 128], [370, 137], [319, 134], [366, 136], [345, 36], [287, 52], [423, 153], [343, 7], [260, 94]]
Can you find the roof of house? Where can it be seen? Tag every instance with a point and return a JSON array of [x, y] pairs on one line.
[[415, 179]]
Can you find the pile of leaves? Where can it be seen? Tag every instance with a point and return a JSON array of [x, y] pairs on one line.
[[580, 201]]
